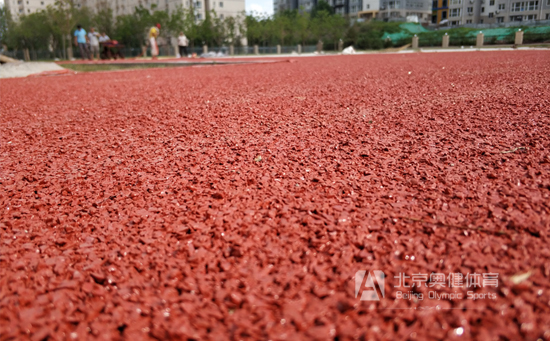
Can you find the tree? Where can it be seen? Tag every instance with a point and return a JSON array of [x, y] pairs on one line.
[[131, 29], [33, 30], [234, 28], [336, 29], [321, 6], [301, 24], [5, 19], [284, 29], [253, 28], [63, 19], [103, 21], [320, 25]]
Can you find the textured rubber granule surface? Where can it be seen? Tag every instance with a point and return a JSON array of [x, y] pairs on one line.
[[238, 202]]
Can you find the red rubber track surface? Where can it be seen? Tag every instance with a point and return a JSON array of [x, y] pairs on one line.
[[238, 202]]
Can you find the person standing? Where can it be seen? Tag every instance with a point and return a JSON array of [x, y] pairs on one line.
[[153, 34], [182, 44], [93, 37], [81, 40]]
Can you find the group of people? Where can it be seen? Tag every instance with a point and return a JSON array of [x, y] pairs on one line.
[[88, 43]]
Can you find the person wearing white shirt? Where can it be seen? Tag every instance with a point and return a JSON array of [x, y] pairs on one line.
[[104, 38], [94, 42], [182, 44]]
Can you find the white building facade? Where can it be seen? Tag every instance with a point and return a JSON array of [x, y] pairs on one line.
[[464, 12], [401, 9], [25, 7], [223, 8]]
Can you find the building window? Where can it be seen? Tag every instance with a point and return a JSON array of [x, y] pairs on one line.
[[501, 6], [198, 4], [444, 15], [221, 4], [28, 11], [221, 16], [20, 2], [42, 3], [481, 21], [368, 6], [393, 4], [445, 3], [456, 2], [531, 17], [547, 16], [492, 3], [469, 21], [500, 19], [470, 10], [455, 12], [482, 9], [525, 6], [455, 23], [491, 15]]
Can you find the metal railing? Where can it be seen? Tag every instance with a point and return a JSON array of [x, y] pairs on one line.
[[164, 51]]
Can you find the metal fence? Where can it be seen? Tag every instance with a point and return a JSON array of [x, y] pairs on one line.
[[170, 51], [164, 51], [488, 39], [503, 25]]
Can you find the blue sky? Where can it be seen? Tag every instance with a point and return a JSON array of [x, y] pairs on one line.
[[262, 6]]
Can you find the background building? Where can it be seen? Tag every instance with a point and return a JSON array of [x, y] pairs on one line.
[[283, 5], [20, 7], [223, 8], [463, 12], [399, 10], [444, 12], [369, 9]]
